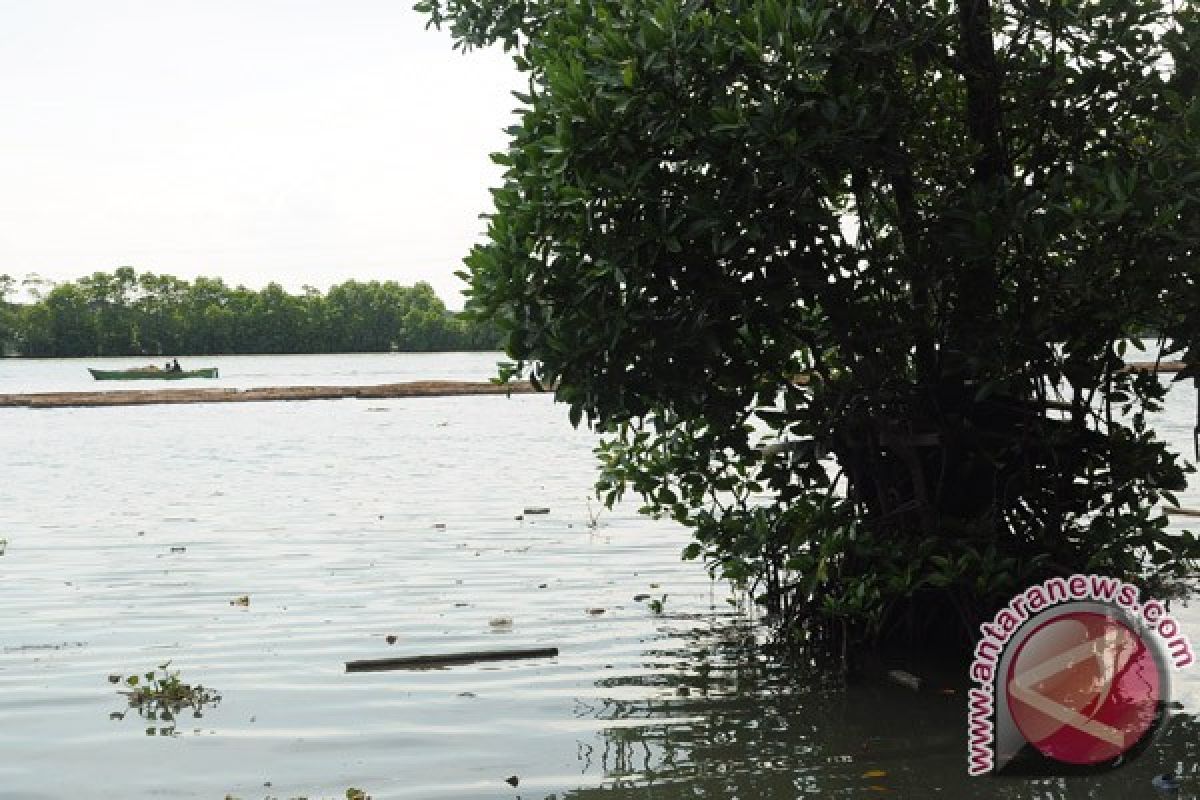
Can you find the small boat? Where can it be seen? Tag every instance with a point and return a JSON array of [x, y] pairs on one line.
[[151, 373]]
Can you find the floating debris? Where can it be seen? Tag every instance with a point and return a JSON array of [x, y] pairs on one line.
[[512, 780], [242, 601], [351, 793], [500, 622], [391, 638], [905, 679], [3, 546], [638, 598], [447, 659], [178, 549], [160, 695], [1167, 782], [595, 612], [22, 648], [537, 510]]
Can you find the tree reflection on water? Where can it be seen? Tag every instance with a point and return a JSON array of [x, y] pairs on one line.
[[716, 718]]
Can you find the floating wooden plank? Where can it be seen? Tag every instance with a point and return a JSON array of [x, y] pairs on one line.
[[141, 397], [447, 659]]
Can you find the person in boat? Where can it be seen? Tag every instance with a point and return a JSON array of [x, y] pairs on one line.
[[175, 365]]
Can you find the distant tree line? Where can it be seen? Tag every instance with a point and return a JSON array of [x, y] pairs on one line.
[[127, 313]]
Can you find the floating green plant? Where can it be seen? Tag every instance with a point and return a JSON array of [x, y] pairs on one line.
[[658, 604], [593, 515], [161, 696]]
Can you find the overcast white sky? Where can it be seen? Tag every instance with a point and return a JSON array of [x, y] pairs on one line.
[[300, 141]]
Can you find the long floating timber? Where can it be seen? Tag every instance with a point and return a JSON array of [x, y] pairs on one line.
[[447, 659], [144, 397]]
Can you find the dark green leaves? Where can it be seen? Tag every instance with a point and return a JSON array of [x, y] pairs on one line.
[[855, 224]]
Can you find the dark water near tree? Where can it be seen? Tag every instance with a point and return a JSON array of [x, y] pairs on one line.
[[130, 531]]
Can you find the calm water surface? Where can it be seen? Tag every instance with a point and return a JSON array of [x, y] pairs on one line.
[[131, 530]]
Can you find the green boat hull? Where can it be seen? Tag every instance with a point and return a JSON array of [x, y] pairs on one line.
[[150, 374]]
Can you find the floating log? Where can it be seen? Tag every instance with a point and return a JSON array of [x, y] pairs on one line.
[[804, 448], [1182, 512], [447, 659], [1155, 366], [141, 397]]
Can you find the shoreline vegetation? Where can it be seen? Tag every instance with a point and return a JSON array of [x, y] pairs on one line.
[[126, 313]]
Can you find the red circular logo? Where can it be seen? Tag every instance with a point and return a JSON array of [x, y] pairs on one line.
[[1083, 688]]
